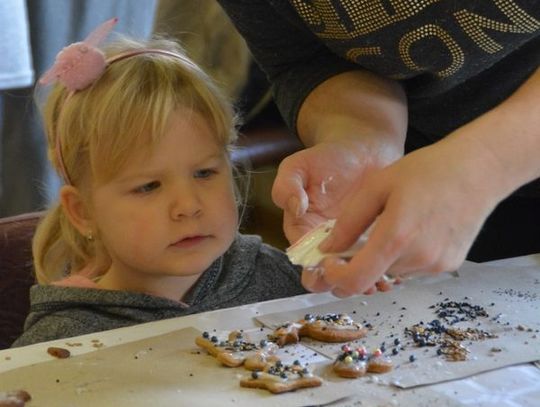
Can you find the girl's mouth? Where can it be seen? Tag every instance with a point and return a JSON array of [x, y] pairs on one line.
[[190, 241]]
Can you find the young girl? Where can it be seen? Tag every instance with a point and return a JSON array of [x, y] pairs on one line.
[[147, 223]]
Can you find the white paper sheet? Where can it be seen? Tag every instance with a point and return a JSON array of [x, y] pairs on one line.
[[511, 298]]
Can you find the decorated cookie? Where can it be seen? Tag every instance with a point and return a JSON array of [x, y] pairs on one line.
[[281, 378], [334, 328], [237, 351], [331, 328], [351, 363], [286, 334], [378, 363]]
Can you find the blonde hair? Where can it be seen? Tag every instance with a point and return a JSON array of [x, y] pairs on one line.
[[100, 127]]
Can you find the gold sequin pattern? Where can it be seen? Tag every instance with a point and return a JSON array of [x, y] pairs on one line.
[[476, 25], [349, 20], [365, 16], [431, 30], [354, 53]]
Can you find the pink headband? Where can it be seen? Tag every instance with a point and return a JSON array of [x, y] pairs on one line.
[[80, 64]]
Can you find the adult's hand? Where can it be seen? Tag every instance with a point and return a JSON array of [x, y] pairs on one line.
[[429, 209], [311, 185], [430, 204], [352, 123]]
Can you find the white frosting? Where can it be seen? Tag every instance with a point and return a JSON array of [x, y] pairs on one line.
[[289, 327], [354, 365], [305, 252], [336, 326], [270, 377], [345, 322], [264, 376]]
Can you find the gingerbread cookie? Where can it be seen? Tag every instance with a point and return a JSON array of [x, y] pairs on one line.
[[261, 359], [281, 378], [286, 334], [378, 363], [331, 328], [352, 363], [237, 351], [16, 398]]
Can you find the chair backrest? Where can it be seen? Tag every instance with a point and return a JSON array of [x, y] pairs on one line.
[[16, 273]]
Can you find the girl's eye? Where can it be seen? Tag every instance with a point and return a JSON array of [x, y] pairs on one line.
[[143, 189], [205, 173]]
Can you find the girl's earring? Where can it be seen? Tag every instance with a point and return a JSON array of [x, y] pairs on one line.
[[90, 237]]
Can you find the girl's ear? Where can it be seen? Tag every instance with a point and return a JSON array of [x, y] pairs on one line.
[[77, 210]]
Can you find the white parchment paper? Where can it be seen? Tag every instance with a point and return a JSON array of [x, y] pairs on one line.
[[511, 298]]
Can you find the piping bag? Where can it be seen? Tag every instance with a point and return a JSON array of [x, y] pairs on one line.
[[305, 252]]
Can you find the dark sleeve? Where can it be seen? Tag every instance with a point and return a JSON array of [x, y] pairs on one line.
[[275, 276], [293, 58], [49, 328]]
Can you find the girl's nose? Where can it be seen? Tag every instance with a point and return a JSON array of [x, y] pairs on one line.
[[186, 203]]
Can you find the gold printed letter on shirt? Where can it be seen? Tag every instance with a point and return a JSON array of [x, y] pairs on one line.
[[354, 54], [364, 16], [476, 26], [430, 30]]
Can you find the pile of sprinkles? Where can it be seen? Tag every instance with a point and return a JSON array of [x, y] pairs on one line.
[[283, 371], [453, 312], [338, 319], [349, 355], [237, 344], [448, 338]]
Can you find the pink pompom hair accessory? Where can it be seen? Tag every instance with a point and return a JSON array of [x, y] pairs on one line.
[[79, 65]]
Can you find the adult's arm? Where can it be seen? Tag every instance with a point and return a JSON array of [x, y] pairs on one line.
[[292, 57], [354, 122]]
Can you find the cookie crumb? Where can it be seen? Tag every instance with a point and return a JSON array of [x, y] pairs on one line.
[[15, 398], [60, 353]]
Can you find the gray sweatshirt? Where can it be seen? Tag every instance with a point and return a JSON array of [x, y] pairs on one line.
[[248, 272]]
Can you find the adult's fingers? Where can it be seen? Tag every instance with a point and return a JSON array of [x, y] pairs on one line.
[[313, 281], [370, 263], [357, 216], [288, 190]]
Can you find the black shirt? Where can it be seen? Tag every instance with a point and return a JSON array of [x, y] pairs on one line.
[[455, 58]]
